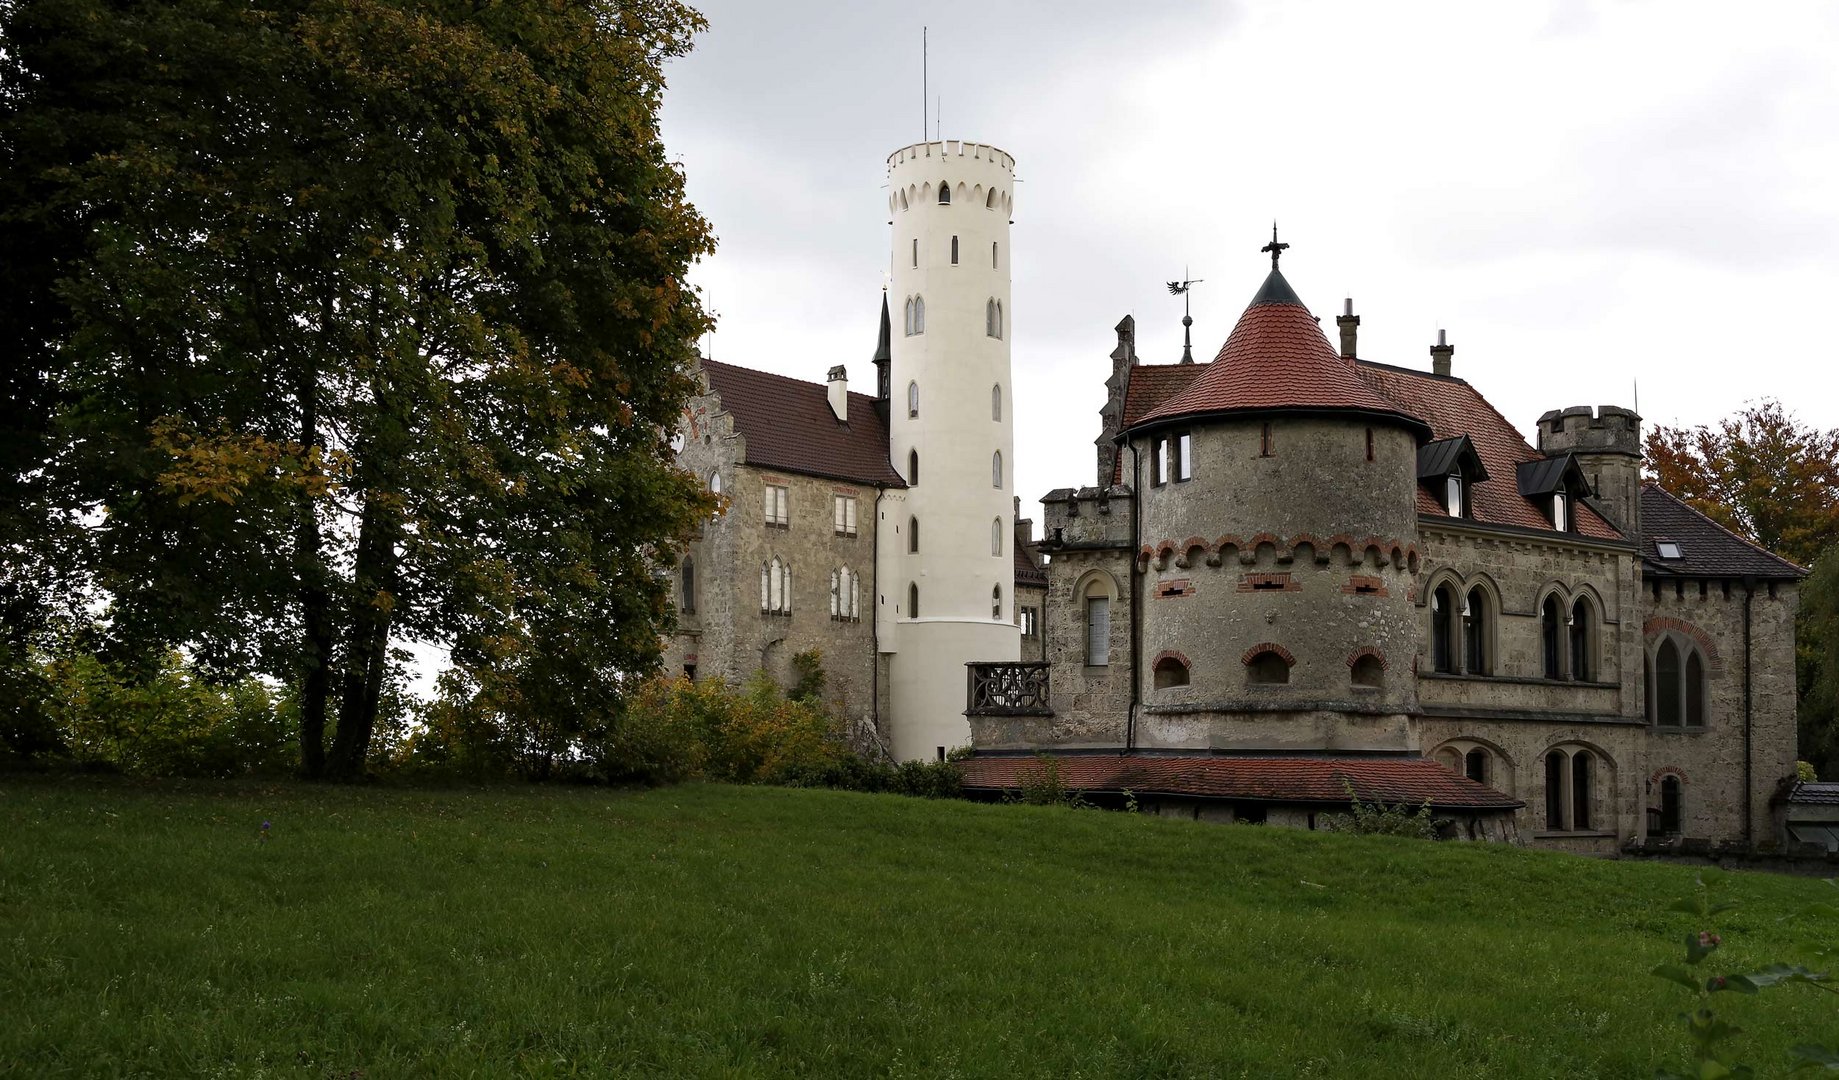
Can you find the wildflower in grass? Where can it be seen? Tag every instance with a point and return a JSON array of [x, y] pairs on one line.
[[262, 837]]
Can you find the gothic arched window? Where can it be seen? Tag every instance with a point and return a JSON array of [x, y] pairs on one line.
[[1677, 688], [996, 402], [996, 536], [913, 600], [687, 583], [1551, 634], [944, 193], [996, 603], [913, 536], [912, 467], [1443, 630], [919, 315], [1583, 640], [996, 469], [1477, 632], [912, 405]]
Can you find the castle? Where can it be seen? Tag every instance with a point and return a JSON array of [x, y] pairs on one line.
[[1299, 576]]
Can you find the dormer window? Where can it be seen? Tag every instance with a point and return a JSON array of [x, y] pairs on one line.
[[1455, 496], [1553, 485], [1448, 470], [1667, 549], [1561, 510]]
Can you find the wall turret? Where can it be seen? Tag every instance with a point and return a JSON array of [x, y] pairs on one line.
[[1607, 445]]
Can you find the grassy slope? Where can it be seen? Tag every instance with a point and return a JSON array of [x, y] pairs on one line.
[[734, 931]]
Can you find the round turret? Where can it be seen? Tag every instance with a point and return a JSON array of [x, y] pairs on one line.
[[947, 576]]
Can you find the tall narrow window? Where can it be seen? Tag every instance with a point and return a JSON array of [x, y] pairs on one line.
[[990, 204], [1369, 444], [954, 251], [1561, 510], [844, 507], [996, 469], [1667, 685], [1582, 669], [1695, 690], [992, 243], [1158, 460], [1182, 457], [1552, 637], [996, 402], [912, 405], [990, 329], [1671, 806], [1477, 622], [715, 483], [1098, 631], [944, 194], [1264, 441], [778, 506], [1453, 501], [1554, 790], [916, 251], [1580, 789], [776, 587], [913, 536], [688, 604], [996, 537], [1443, 630], [913, 600], [912, 467], [907, 324], [919, 315], [836, 594], [996, 603]]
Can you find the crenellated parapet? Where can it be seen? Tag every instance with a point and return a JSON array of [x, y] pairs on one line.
[[1087, 518], [1607, 444], [1341, 549]]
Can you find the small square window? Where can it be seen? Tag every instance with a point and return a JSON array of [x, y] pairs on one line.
[[1668, 549]]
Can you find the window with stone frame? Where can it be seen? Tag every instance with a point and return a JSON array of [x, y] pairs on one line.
[[844, 514], [775, 587], [778, 506], [687, 586], [1551, 638], [1581, 628], [1672, 806], [1443, 630], [844, 586], [1571, 779], [1477, 632], [996, 603], [1031, 621], [1677, 683], [913, 600], [1097, 626]]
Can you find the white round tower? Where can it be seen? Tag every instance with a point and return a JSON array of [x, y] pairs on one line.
[[948, 570]]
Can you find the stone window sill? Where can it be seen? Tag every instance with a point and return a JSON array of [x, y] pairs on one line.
[[1668, 729], [1525, 680], [1579, 834], [779, 525]]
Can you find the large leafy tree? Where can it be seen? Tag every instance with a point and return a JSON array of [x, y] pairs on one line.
[[1767, 476], [361, 320]]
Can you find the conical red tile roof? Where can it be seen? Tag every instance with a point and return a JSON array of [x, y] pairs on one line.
[[1278, 360]]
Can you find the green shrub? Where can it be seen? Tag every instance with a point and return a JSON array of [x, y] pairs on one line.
[[1042, 786], [1378, 819]]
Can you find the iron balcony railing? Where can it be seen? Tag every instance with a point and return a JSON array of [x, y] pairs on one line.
[[1007, 689]]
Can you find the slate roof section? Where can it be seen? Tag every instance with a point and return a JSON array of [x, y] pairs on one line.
[[1277, 360], [1440, 458], [788, 425], [1412, 781], [1542, 476], [1452, 407], [1813, 793], [1707, 548]]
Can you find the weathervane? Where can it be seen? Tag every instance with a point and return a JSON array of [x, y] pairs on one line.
[[1274, 247], [1180, 288]]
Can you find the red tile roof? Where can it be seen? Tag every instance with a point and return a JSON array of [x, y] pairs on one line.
[[1148, 386], [1277, 358], [788, 425], [1412, 781], [1452, 407]]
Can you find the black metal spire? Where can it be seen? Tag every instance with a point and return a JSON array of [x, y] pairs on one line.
[[1276, 249], [1180, 288]]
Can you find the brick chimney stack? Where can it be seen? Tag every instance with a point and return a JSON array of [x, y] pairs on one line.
[[1350, 325], [1440, 354]]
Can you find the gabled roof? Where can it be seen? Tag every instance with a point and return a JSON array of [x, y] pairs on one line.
[[1445, 456], [1412, 781], [1150, 385], [1707, 549], [1453, 407], [1026, 572], [1277, 360], [788, 425]]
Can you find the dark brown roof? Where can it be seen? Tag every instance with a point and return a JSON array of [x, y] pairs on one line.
[[1277, 359], [1452, 407], [1026, 572], [1707, 549], [1412, 781], [788, 425]]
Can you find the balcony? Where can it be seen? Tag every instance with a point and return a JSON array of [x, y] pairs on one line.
[[1007, 689]]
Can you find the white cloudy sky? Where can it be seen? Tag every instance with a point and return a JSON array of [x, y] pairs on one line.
[[1584, 194]]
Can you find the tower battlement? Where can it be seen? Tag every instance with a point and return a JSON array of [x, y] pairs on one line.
[[1608, 429], [979, 175]]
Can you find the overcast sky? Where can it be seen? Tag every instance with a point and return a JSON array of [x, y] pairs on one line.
[[1584, 195]]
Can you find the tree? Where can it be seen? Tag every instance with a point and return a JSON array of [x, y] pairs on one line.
[[368, 323], [1766, 476]]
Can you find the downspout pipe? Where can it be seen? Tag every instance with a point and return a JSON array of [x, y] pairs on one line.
[[874, 625], [1749, 597], [1136, 620]]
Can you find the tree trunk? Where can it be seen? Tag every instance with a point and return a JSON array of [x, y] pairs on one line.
[[367, 641], [315, 598]]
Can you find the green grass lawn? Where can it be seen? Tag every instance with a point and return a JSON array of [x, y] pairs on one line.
[[722, 931]]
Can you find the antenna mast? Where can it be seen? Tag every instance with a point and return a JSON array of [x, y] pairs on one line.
[[925, 93]]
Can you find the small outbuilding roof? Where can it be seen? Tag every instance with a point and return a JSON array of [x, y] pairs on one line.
[[1319, 781]]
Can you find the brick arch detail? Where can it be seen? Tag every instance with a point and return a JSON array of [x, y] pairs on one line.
[[1398, 552], [1659, 625], [1368, 650], [1170, 654], [1264, 647], [1665, 771]]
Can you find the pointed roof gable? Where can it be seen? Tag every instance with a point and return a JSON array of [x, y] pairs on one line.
[[1277, 360]]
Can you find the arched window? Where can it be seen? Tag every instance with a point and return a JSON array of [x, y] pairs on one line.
[[996, 402], [912, 405], [912, 467], [776, 587], [1443, 629], [996, 536], [919, 315], [1267, 668], [913, 600], [715, 482], [1450, 758], [944, 193], [992, 326], [1570, 789], [954, 251], [1582, 777], [1551, 633], [913, 536], [990, 203], [1368, 671], [1554, 790], [1583, 634], [1676, 684], [1098, 625], [1475, 765], [687, 582], [906, 325], [1170, 671], [1672, 805], [1477, 633], [996, 469], [843, 593], [996, 603]]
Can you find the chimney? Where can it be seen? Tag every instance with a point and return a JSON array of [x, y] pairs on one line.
[[1440, 354], [839, 393], [1350, 325]]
